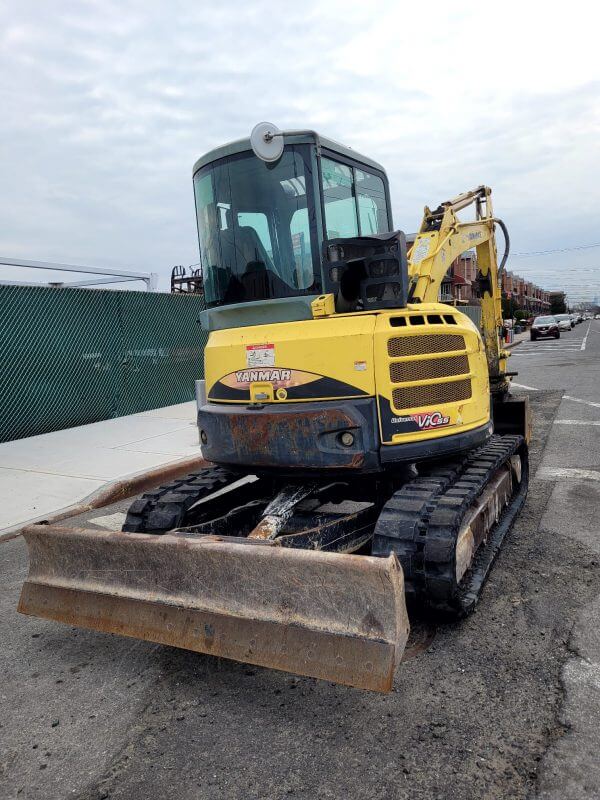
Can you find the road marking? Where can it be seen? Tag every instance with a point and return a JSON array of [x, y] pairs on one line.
[[587, 333], [585, 402], [576, 422], [546, 352], [522, 386], [552, 473], [565, 397]]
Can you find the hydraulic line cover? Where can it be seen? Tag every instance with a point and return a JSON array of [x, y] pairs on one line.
[[326, 615]]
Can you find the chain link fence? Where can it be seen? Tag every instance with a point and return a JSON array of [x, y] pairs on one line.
[[73, 356]]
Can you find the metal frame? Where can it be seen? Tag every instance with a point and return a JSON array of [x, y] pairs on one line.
[[115, 276]]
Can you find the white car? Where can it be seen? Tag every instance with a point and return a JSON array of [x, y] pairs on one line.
[[565, 323]]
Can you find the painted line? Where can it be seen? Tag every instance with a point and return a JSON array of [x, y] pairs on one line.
[[577, 400], [522, 386], [585, 422], [551, 474], [565, 397], [587, 333], [546, 351], [526, 351]]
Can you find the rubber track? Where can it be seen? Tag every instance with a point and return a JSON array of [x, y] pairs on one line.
[[422, 520], [165, 508]]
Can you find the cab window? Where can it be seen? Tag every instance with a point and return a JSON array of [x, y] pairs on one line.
[[338, 196], [354, 200], [370, 198]]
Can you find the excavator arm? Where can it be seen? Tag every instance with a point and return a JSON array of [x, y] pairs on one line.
[[441, 239]]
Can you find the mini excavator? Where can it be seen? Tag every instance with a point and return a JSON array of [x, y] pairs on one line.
[[364, 449]]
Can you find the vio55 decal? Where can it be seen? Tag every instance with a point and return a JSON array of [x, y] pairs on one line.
[[424, 420]]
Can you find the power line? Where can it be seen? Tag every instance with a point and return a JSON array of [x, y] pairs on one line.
[[557, 250]]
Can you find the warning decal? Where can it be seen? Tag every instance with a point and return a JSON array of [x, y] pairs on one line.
[[260, 355]]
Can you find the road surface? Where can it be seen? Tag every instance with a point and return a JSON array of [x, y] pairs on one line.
[[502, 705]]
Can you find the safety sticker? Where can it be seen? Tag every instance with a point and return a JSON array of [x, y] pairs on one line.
[[260, 355], [360, 366], [420, 250]]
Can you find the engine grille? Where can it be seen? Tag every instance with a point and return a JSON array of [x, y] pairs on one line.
[[404, 371], [416, 396], [422, 345]]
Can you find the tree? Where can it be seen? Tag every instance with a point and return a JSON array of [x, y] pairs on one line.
[[557, 305], [509, 307]]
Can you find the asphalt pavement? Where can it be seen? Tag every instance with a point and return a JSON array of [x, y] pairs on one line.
[[571, 767], [504, 704]]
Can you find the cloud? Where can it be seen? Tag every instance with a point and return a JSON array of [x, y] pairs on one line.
[[108, 104]]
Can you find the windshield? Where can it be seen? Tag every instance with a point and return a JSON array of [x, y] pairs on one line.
[[257, 229], [544, 320], [563, 316]]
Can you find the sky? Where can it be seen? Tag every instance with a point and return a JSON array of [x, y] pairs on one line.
[[107, 105]]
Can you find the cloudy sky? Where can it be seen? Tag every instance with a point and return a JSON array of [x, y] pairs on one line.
[[106, 106]]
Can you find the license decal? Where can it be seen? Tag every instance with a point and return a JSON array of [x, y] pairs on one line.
[[260, 355]]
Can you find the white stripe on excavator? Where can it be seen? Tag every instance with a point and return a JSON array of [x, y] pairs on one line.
[[551, 474], [577, 422]]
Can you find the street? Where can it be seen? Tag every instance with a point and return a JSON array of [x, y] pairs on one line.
[[505, 704]]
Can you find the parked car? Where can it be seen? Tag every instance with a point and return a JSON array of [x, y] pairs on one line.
[[565, 323], [544, 328], [597, 316]]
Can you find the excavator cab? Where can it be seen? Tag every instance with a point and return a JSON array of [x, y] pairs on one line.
[[285, 230], [315, 360]]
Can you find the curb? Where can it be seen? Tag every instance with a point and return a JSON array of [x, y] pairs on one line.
[[112, 492]]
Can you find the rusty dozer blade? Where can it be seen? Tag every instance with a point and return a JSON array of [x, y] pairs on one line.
[[326, 615]]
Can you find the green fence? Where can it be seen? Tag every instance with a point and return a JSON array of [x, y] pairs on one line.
[[73, 356]]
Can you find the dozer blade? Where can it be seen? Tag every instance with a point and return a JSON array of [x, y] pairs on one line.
[[327, 615]]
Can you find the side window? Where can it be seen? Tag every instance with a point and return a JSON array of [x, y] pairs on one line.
[[338, 196], [300, 232], [259, 223], [370, 197]]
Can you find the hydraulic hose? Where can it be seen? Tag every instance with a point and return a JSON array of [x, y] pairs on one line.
[[506, 244]]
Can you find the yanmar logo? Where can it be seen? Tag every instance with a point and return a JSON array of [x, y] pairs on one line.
[[425, 421], [253, 375]]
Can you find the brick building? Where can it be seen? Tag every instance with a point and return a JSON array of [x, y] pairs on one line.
[[460, 287]]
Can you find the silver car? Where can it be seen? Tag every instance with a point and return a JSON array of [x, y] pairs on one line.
[[565, 322]]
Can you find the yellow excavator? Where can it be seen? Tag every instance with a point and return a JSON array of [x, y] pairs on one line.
[[364, 447]]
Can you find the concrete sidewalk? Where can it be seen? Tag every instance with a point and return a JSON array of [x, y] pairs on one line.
[[43, 474]]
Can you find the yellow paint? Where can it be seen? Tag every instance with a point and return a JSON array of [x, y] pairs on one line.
[[327, 346], [323, 306], [465, 414]]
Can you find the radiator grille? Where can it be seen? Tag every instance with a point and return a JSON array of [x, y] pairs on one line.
[[417, 396], [404, 371], [419, 345]]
